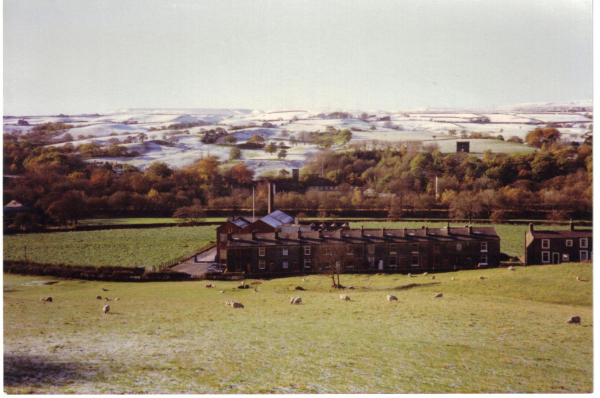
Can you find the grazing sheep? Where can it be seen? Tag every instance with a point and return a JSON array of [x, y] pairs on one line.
[[46, 299], [292, 300], [104, 290], [222, 291], [424, 273], [574, 319], [107, 299], [243, 283], [409, 275], [433, 277], [438, 295], [228, 302], [98, 297], [237, 305], [392, 298], [117, 299], [211, 286], [106, 308], [452, 279], [303, 280], [344, 297], [511, 268], [578, 278], [481, 277], [297, 300]]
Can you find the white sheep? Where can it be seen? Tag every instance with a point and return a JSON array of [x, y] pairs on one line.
[[511, 268], [424, 273], [578, 278], [292, 300], [344, 297], [46, 299], [452, 279], [438, 295], [392, 298], [297, 300], [106, 308], [409, 275], [117, 299]]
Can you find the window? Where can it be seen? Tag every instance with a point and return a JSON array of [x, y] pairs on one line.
[[350, 252], [371, 261], [371, 249], [565, 258], [484, 246], [437, 260], [393, 262], [393, 248], [483, 260], [307, 263], [459, 247], [436, 247], [545, 257], [414, 261], [414, 247], [238, 252], [223, 237], [261, 251], [583, 255], [569, 243], [583, 242], [261, 264], [285, 251], [307, 251], [545, 243], [285, 265]]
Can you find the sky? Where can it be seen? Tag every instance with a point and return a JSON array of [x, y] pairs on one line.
[[73, 56]]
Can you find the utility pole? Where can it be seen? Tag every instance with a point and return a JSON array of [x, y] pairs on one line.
[[252, 204]]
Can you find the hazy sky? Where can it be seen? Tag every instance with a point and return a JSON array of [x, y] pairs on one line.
[[85, 56]]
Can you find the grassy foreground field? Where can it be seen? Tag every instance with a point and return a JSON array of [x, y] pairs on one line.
[[122, 247], [504, 334]]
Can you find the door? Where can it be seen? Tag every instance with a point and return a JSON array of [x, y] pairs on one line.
[[249, 268], [555, 258], [446, 262], [272, 267], [380, 264], [424, 261], [295, 265], [402, 262]]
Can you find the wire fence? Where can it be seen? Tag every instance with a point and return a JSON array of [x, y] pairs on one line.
[[168, 264]]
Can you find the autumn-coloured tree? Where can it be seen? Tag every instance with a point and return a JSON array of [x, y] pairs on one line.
[[241, 174]]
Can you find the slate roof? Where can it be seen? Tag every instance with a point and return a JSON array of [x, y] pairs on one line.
[[277, 218], [353, 236], [562, 234]]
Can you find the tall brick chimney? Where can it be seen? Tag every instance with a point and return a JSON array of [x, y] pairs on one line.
[[271, 198]]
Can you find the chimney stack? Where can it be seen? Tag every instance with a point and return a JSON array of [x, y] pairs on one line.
[[531, 227], [470, 230], [362, 231], [448, 227], [426, 230], [383, 232], [571, 225], [271, 197]]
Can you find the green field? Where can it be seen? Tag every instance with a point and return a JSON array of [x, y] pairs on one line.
[[504, 334], [150, 247], [142, 221], [117, 247]]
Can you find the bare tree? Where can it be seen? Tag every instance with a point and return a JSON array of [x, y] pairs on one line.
[[333, 257]]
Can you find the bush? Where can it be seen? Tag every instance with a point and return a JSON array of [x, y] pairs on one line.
[[499, 215]]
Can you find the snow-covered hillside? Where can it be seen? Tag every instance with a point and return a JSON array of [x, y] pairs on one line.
[[286, 127]]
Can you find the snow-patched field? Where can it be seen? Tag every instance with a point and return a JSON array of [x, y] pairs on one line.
[[182, 150]]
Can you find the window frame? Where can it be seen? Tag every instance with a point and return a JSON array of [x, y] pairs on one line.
[[484, 247], [285, 251], [393, 261], [546, 253], [223, 237], [583, 243], [569, 243], [545, 243], [587, 255], [459, 247], [484, 260], [262, 251], [285, 265], [393, 248], [307, 250], [307, 261], [371, 249], [261, 264]]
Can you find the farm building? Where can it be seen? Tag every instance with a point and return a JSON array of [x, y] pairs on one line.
[[463, 146], [557, 246], [363, 250]]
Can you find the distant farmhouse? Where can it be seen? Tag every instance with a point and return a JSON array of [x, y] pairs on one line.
[[557, 246]]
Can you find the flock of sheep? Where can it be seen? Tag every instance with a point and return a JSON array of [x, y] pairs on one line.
[[298, 300]]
